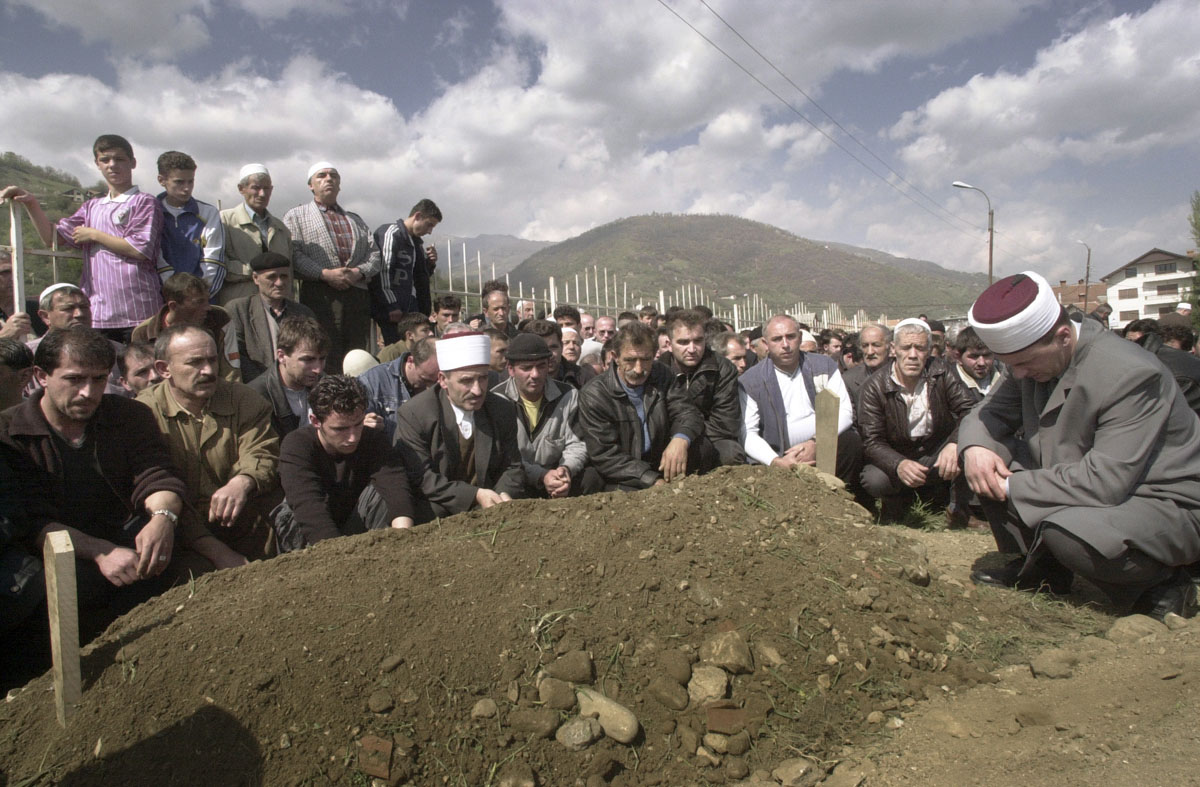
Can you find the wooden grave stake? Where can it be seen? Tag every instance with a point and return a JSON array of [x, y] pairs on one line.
[[828, 404], [59, 556]]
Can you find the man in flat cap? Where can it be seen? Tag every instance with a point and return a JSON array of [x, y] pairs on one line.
[[1085, 455], [553, 454], [254, 319], [459, 442], [334, 255], [250, 230]]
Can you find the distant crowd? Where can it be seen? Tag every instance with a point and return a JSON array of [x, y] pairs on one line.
[[178, 411]]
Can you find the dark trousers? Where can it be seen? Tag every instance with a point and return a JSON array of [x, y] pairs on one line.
[[371, 513], [705, 454], [345, 315]]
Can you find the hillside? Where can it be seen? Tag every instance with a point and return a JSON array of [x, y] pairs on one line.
[[51, 187], [730, 256], [504, 252]]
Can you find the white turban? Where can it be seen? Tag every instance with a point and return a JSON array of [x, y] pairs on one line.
[[460, 350], [1014, 312]]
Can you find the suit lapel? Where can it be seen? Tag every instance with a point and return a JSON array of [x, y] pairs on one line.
[[483, 444], [448, 429]]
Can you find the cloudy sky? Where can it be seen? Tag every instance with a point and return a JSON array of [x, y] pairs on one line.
[[544, 118]]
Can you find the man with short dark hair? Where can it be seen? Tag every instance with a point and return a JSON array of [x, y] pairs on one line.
[[553, 455], [187, 303], [458, 441], [778, 396], [446, 309], [136, 362], [339, 478], [403, 283], [567, 316], [220, 436], [334, 255], [1184, 366], [254, 320], [251, 230], [638, 426], [412, 327], [710, 382], [937, 332], [1085, 456], [299, 363], [561, 370], [499, 349], [495, 308], [193, 238], [16, 370], [389, 385], [96, 466], [976, 365], [648, 315]]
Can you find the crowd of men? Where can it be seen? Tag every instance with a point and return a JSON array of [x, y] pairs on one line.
[[181, 413]]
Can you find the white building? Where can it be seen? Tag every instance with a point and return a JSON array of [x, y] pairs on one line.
[[1149, 286]]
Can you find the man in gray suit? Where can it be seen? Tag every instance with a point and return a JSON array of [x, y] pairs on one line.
[[1085, 455], [459, 442], [333, 255], [254, 320], [250, 229]]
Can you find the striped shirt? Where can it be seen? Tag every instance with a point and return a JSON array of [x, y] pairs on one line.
[[340, 228], [123, 291]]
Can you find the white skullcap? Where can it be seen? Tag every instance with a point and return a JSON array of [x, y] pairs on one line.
[[572, 330], [1183, 305], [315, 168], [591, 346], [806, 336], [252, 169], [1014, 312], [358, 361], [460, 350], [911, 322], [53, 288]]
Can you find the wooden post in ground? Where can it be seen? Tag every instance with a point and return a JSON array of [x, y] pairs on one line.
[[59, 558], [828, 404]]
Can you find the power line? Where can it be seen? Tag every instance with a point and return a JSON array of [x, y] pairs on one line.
[[887, 181]]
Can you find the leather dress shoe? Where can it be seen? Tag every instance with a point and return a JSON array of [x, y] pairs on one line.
[[1053, 579], [1177, 594]]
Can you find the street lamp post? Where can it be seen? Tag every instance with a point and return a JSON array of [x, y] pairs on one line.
[[958, 184], [1087, 275]]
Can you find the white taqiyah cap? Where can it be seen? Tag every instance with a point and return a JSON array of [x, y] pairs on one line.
[[252, 169], [53, 288], [806, 336], [1183, 305], [315, 168], [460, 350], [911, 322], [357, 362], [1014, 312]]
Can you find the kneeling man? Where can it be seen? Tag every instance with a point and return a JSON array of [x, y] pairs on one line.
[[459, 442], [1085, 454], [339, 478]]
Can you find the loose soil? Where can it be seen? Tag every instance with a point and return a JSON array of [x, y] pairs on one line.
[[853, 653]]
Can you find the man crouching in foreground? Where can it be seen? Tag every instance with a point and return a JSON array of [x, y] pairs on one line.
[[1104, 481]]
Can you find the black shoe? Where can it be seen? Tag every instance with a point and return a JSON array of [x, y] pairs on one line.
[[1177, 594], [1052, 579]]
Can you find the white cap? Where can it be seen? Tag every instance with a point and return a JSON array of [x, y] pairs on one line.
[[357, 362], [911, 322], [53, 288], [252, 169], [460, 350], [806, 336], [1183, 305], [591, 346], [315, 168], [565, 329], [1014, 312]]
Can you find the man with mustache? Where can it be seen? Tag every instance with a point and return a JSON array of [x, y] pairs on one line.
[[220, 437], [874, 342], [459, 442]]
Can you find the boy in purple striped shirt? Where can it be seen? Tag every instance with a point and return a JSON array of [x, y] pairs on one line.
[[119, 235]]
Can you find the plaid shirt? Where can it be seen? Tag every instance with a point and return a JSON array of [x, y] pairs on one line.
[[315, 249], [340, 228]]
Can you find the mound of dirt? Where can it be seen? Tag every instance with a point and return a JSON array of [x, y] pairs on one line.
[[751, 620]]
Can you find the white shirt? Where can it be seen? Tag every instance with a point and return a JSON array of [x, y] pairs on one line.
[[465, 421], [801, 418], [916, 404]]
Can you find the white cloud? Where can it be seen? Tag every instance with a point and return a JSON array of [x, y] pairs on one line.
[[157, 29]]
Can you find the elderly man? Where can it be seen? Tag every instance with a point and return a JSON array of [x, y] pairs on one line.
[[1184, 308], [553, 454], [1086, 456], [710, 382], [250, 230], [187, 303], [220, 436], [976, 365], [65, 306], [778, 396], [299, 363], [874, 342], [908, 415], [403, 283], [389, 385], [333, 255], [587, 325], [339, 477], [96, 466], [458, 441], [730, 346], [495, 308], [638, 426], [254, 319], [524, 311]]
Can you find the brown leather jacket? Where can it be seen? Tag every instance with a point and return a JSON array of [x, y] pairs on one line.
[[883, 417]]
